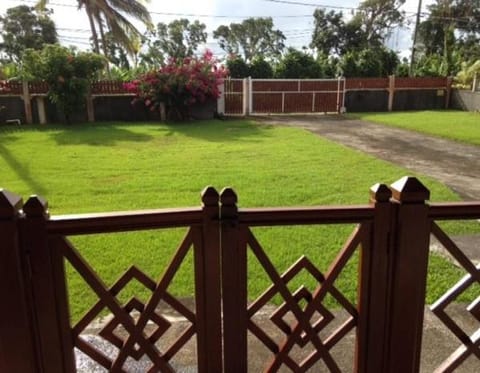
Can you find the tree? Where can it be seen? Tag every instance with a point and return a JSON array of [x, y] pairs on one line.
[[296, 64], [253, 37], [260, 69], [112, 14], [329, 32], [377, 62], [369, 28], [23, 27], [452, 31], [67, 73], [237, 67], [180, 38], [378, 18]]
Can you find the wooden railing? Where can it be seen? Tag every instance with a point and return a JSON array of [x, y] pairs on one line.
[[391, 238]]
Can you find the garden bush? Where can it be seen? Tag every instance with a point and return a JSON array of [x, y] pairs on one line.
[[180, 84]]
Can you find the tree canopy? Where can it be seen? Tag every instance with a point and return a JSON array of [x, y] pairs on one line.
[[180, 38], [25, 27], [250, 38]]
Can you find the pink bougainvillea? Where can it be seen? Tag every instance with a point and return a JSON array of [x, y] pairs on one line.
[[180, 84]]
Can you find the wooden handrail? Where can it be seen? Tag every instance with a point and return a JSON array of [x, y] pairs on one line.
[[305, 215], [454, 210], [123, 221]]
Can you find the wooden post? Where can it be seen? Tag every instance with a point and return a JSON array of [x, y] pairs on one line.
[[373, 289], [42, 116], [449, 81], [49, 296], [391, 91], [26, 103], [207, 287], [410, 234], [17, 337], [475, 82], [163, 112], [90, 108], [234, 285]]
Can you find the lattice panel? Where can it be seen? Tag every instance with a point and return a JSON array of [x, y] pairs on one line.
[[309, 320], [135, 328], [470, 343]]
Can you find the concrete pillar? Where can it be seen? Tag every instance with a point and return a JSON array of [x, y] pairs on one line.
[[41, 109], [391, 91], [221, 99], [26, 103]]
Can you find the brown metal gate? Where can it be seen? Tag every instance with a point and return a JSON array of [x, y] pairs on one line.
[[283, 96], [390, 240], [296, 96]]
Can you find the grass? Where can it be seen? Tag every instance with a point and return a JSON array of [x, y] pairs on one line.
[[109, 167], [453, 125]]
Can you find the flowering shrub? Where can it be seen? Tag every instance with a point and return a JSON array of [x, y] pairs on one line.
[[180, 84], [4, 87], [68, 74]]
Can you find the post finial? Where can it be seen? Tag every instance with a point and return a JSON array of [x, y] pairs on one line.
[[380, 193], [10, 204], [35, 207], [409, 190], [210, 196], [228, 197]]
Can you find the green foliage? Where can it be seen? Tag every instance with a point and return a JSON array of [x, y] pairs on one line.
[[253, 37], [298, 64], [180, 38], [259, 68], [369, 63], [369, 28], [24, 27], [465, 76], [377, 19], [9, 70], [449, 36], [67, 73], [180, 84], [237, 67]]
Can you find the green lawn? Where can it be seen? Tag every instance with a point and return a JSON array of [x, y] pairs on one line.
[[454, 125], [108, 167]]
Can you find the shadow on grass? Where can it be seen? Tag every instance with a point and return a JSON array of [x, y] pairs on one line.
[[218, 130], [22, 172], [95, 134]]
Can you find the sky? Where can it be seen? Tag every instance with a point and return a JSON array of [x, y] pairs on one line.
[[294, 20]]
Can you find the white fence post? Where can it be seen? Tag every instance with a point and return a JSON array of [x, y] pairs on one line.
[[221, 99], [250, 96]]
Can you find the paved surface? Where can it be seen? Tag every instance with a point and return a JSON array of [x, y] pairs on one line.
[[455, 164], [438, 344]]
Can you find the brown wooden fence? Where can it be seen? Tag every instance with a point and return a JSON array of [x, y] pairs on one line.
[[391, 238]]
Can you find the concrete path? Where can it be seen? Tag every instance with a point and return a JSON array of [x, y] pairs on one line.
[[438, 344], [455, 164]]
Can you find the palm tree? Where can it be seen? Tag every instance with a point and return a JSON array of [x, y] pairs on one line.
[[112, 15]]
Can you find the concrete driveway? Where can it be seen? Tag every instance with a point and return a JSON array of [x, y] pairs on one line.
[[455, 164]]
